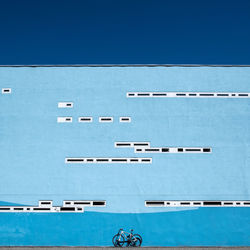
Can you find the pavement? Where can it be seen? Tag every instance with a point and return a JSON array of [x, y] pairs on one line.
[[113, 248]]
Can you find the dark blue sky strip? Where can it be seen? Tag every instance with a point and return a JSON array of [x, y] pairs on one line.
[[131, 31]]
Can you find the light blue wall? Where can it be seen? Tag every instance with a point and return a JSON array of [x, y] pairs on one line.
[[34, 146]]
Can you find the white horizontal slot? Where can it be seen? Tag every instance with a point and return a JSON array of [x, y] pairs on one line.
[[65, 104], [125, 119], [131, 144], [172, 150], [84, 203], [147, 150], [45, 206], [188, 94], [197, 203], [89, 160], [99, 203], [28, 209], [154, 203], [243, 95], [85, 119], [64, 119], [106, 119], [45, 203], [78, 203], [6, 90]]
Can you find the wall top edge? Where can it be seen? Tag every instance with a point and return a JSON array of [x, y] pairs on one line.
[[127, 65]]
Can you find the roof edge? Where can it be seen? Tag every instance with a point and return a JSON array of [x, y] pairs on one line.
[[128, 65]]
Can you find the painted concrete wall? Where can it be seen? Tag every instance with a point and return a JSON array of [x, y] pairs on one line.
[[34, 147]]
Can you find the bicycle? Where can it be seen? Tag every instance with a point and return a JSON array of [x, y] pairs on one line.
[[131, 240]]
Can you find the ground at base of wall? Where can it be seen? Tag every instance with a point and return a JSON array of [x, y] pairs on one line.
[[112, 248]]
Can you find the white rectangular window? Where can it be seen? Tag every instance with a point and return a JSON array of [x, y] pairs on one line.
[[125, 119], [85, 119], [6, 90], [105, 119], [64, 119], [65, 104], [45, 203]]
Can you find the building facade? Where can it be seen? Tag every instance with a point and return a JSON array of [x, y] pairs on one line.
[[162, 149]]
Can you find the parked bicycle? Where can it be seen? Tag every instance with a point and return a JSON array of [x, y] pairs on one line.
[[127, 239]]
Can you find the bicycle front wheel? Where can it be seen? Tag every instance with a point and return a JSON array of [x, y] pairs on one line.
[[118, 240], [136, 242], [138, 236]]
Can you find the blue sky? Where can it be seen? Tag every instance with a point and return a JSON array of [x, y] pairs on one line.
[[119, 31]]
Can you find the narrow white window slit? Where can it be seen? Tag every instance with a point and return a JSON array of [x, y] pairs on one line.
[[125, 119], [188, 94], [131, 144], [6, 90], [47, 207], [65, 104], [172, 150], [45, 203], [198, 203], [89, 160], [81, 203], [85, 119], [105, 119], [64, 119]]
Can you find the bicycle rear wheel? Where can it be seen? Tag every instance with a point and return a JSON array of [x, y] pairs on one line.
[[118, 240]]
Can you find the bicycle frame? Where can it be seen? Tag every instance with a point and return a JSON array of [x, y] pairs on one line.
[[127, 235]]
